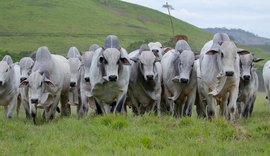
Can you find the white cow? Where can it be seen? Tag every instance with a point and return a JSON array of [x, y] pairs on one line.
[[48, 84], [219, 75], [155, 47], [266, 79], [109, 76], [145, 81], [248, 83], [74, 61], [26, 64], [179, 78], [9, 85], [85, 87]]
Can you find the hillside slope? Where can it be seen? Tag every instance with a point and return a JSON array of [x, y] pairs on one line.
[[26, 25]]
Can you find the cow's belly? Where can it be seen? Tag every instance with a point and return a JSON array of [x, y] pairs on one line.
[[107, 92]]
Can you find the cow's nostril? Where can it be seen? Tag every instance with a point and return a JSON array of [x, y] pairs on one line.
[[72, 84], [150, 77], [1, 82], [246, 77], [35, 101], [183, 80], [229, 73], [87, 79], [113, 78]]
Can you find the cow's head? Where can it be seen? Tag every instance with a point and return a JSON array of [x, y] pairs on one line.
[[39, 85], [86, 63], [146, 61], [5, 71], [75, 68], [227, 58], [185, 66], [246, 60], [156, 48], [26, 65], [111, 61]]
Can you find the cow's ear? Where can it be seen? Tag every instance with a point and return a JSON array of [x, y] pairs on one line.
[[243, 52], [134, 59], [256, 59], [125, 61], [211, 52], [48, 82], [24, 84]]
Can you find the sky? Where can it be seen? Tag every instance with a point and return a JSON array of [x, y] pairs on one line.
[[249, 15]]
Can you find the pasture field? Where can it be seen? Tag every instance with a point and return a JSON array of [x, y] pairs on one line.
[[137, 135]]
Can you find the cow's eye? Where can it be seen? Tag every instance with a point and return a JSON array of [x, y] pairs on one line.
[[103, 60], [222, 55], [7, 70], [118, 62]]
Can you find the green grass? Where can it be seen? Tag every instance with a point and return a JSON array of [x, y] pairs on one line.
[[26, 25], [138, 135]]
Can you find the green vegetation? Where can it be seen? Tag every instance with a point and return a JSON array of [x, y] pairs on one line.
[[137, 135], [29, 24]]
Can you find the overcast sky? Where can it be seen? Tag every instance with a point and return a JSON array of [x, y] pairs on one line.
[[250, 15]]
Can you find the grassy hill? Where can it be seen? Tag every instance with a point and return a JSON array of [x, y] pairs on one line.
[[26, 25]]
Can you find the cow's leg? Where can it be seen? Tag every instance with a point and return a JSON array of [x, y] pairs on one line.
[[134, 103], [267, 87], [252, 104], [26, 108], [211, 106], [224, 106], [82, 104], [100, 109], [190, 102], [119, 103], [239, 109], [65, 107], [268, 95], [11, 106], [232, 103]]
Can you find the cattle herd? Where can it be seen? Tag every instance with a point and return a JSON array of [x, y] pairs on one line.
[[109, 79]]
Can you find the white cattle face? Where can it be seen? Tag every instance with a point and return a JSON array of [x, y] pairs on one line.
[[111, 63], [245, 66], [226, 57], [185, 65], [75, 66], [156, 48], [5, 71], [26, 65], [39, 86], [86, 63], [147, 65]]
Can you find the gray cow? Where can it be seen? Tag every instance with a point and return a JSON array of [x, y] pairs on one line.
[[48, 84], [75, 65], [85, 87], [9, 85], [219, 76], [145, 81], [155, 47], [179, 78], [248, 83], [109, 76], [26, 64], [266, 80]]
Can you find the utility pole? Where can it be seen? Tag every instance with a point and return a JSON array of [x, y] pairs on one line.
[[169, 7]]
